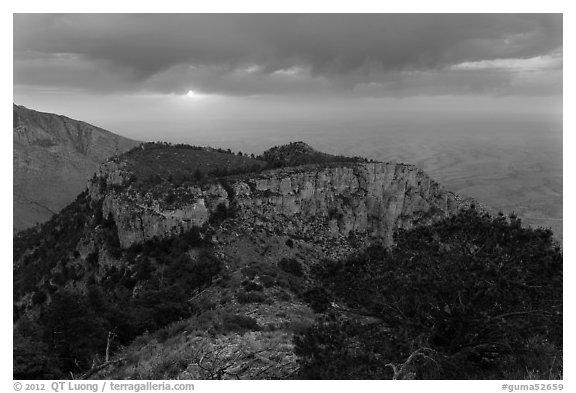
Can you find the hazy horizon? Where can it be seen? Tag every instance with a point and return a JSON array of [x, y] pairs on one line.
[[203, 73], [506, 161]]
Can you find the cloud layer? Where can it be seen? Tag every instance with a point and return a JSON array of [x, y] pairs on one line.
[[247, 54]]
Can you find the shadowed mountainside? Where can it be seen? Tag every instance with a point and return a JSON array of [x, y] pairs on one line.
[[53, 157]]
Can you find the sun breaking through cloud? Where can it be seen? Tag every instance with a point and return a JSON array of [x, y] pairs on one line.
[[297, 54]]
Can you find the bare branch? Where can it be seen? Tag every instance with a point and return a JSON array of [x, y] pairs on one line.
[[101, 367]]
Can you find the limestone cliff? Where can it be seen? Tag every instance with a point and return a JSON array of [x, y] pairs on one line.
[[371, 199], [309, 202], [53, 157]]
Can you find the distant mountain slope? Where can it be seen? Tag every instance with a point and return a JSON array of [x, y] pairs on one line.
[[53, 157]]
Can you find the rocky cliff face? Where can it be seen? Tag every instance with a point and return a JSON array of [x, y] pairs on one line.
[[53, 157], [309, 202], [371, 199], [139, 219]]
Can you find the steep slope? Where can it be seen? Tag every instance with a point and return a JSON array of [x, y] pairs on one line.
[[212, 253], [53, 157]]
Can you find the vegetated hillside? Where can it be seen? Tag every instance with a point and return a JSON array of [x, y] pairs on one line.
[[153, 163], [299, 153], [214, 276], [470, 297], [156, 162], [53, 157]]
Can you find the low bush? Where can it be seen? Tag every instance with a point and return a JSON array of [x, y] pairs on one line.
[[171, 330], [252, 286], [239, 323], [251, 297], [169, 367], [283, 295], [39, 297], [267, 281], [292, 266], [292, 283], [259, 269], [318, 299]]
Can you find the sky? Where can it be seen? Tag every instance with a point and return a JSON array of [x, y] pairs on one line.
[[223, 77]]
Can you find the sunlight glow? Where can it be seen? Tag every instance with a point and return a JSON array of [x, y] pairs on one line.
[[193, 95]]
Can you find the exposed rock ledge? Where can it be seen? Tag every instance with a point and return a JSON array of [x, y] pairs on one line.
[[370, 199]]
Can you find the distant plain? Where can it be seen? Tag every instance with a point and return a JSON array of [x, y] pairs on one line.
[[513, 165]]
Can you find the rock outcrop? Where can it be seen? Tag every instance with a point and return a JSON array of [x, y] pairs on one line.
[[138, 220], [310, 202], [53, 157], [371, 199]]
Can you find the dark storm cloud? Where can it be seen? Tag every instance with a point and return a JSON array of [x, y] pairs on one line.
[[252, 54]]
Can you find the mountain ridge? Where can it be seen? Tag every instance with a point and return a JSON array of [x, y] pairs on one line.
[[177, 248], [53, 157]]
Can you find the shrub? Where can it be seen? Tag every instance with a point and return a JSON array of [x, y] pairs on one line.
[[201, 304], [221, 213], [171, 330], [259, 269], [252, 286], [251, 297], [239, 323], [292, 283], [92, 258], [39, 297], [318, 299], [298, 326], [292, 266], [283, 295], [267, 281], [58, 279], [168, 367], [170, 198]]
